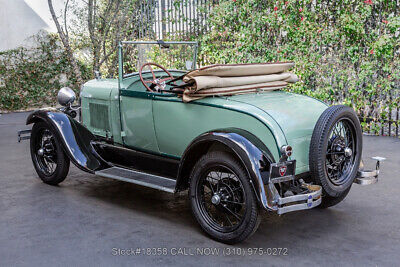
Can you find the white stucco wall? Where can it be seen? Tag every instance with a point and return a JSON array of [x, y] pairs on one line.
[[20, 19]]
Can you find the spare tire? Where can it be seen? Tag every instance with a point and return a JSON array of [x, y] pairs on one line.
[[335, 152]]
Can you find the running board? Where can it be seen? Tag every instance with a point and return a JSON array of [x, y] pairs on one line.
[[140, 178]]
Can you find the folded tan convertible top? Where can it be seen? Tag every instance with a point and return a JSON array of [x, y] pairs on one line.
[[233, 79], [233, 70]]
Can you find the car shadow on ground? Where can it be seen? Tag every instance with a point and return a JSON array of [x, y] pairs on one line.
[[175, 209]]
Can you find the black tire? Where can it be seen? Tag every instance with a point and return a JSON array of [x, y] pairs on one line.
[[328, 201], [43, 137], [235, 185], [335, 153]]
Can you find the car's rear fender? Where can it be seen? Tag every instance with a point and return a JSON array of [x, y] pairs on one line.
[[246, 147], [75, 138]]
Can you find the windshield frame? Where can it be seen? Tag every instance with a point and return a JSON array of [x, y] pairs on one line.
[[122, 75]]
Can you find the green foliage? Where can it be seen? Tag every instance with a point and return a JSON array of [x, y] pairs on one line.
[[175, 56], [31, 77], [345, 52]]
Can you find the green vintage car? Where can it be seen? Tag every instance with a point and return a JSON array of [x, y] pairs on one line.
[[238, 155]]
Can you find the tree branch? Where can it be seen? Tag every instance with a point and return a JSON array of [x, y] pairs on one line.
[[65, 19], [65, 41]]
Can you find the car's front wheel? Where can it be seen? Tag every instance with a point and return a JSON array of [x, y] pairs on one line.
[[222, 199], [48, 157]]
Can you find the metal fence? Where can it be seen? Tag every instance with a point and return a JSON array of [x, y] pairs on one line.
[[383, 122], [162, 19]]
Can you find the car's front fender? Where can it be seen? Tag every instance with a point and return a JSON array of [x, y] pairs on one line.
[[75, 138], [252, 153]]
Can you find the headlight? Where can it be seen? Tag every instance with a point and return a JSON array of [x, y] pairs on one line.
[[66, 96]]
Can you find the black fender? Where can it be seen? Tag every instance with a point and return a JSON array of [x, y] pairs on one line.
[[75, 138], [249, 149]]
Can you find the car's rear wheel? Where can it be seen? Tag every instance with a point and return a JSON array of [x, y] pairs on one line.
[[222, 199], [48, 157], [335, 153]]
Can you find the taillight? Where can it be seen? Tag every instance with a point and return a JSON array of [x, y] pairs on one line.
[[286, 151]]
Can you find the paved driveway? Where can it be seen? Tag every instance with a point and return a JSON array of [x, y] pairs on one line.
[[88, 219]]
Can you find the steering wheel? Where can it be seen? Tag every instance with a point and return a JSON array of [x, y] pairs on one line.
[[153, 84]]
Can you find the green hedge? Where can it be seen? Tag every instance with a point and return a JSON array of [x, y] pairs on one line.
[[345, 51], [31, 77]]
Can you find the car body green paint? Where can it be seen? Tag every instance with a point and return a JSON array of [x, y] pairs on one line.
[[162, 124]]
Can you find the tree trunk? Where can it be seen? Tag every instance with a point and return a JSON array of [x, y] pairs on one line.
[[65, 40], [92, 34]]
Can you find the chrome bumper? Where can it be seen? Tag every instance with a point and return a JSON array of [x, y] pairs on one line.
[[367, 177], [308, 196], [307, 200], [312, 196], [24, 135]]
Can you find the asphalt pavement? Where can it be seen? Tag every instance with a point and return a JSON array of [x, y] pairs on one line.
[[94, 221]]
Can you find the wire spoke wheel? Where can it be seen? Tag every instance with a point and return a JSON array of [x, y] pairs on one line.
[[49, 160], [221, 198], [341, 152], [45, 151]]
